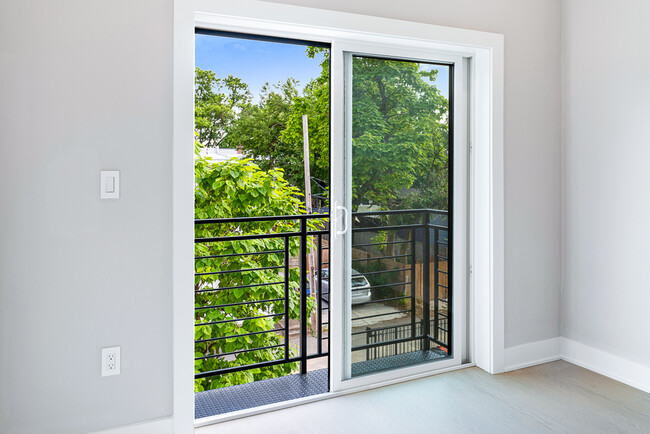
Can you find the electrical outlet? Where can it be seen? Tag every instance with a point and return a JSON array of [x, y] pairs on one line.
[[110, 361]]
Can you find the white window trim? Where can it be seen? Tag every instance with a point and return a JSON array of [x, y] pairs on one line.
[[486, 231]]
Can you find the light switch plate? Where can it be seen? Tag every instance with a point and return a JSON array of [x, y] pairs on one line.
[[110, 184]]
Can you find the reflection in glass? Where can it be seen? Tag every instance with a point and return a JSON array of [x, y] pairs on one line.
[[400, 201]]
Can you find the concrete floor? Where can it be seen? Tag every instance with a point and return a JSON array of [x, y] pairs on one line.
[[368, 310], [554, 397]]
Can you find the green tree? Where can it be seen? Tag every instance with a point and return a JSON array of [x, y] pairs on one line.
[[239, 188], [314, 103], [400, 131], [399, 134], [260, 132], [217, 102], [269, 131]]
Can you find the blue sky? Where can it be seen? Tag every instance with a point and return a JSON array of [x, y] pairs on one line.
[[258, 62], [442, 80], [255, 62]]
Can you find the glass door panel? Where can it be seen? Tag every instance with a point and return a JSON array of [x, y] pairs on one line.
[[399, 254]]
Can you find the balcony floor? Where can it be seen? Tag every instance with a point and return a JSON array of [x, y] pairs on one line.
[[274, 390], [258, 393], [396, 361]]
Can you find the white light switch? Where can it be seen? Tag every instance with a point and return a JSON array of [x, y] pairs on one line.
[[110, 184]]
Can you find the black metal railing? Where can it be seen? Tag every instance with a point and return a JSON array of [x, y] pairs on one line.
[[420, 231], [282, 240], [414, 242], [397, 335]]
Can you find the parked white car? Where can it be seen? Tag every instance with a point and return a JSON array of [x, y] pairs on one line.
[[361, 292]]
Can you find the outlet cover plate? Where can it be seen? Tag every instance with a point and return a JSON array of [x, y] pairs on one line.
[[111, 360]]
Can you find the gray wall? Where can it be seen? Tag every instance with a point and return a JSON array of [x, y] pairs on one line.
[[532, 142], [84, 86], [606, 293]]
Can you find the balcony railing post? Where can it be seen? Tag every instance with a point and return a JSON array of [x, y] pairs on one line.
[[426, 299], [319, 294], [286, 298], [303, 295], [436, 285], [449, 299], [367, 342], [413, 289]]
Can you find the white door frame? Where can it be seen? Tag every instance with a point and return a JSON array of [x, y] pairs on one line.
[[486, 220]]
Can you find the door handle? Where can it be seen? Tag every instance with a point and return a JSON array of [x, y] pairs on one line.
[[344, 217]]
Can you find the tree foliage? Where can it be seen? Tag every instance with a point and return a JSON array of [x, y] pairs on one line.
[[399, 134], [217, 104], [399, 122], [268, 131], [239, 188], [315, 104], [261, 131]]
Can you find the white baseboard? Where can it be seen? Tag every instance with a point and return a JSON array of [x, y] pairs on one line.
[[534, 353], [158, 426], [607, 364], [602, 362]]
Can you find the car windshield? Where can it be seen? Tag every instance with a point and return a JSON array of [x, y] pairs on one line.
[[358, 281]]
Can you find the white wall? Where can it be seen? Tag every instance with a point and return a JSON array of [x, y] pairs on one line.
[[84, 86], [532, 142], [606, 295]]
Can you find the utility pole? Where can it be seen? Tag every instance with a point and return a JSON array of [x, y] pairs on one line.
[[310, 257]]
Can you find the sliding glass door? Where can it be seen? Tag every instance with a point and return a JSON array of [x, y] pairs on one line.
[[396, 214]]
